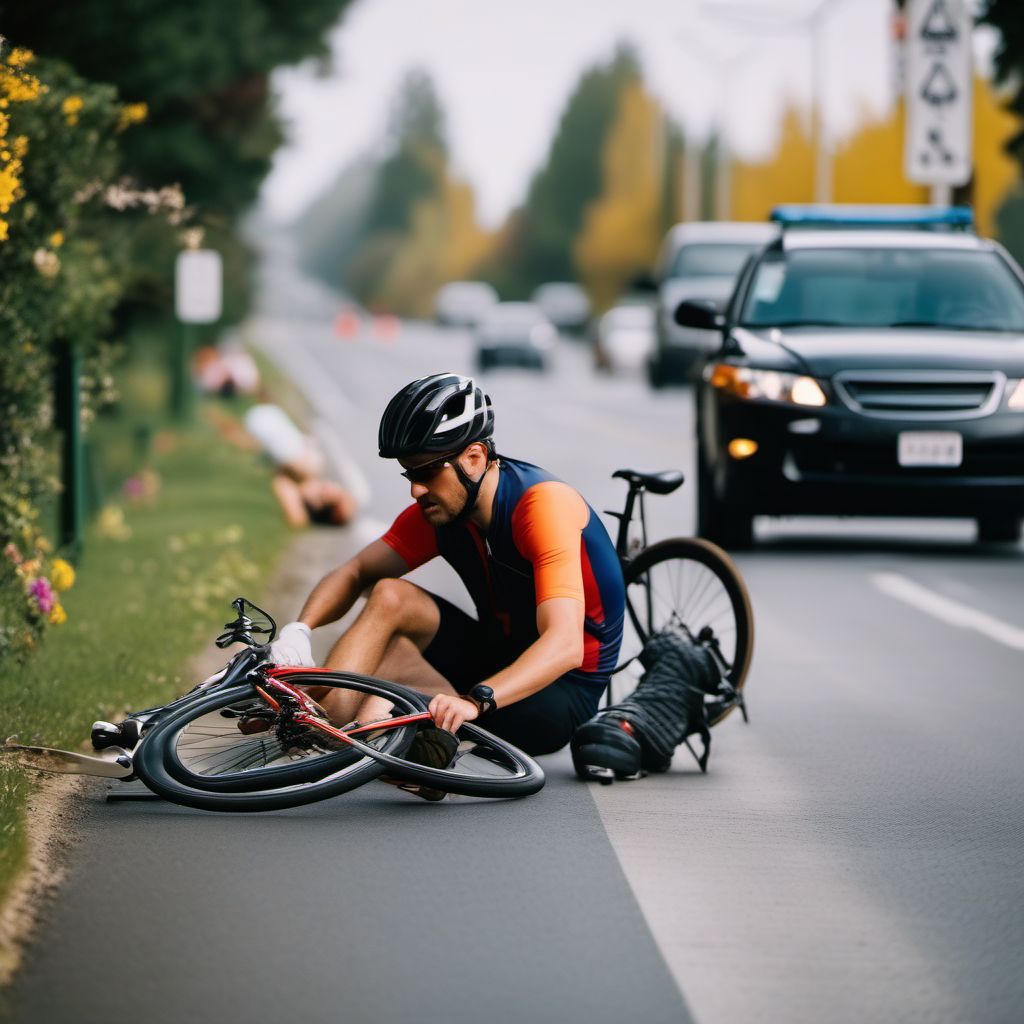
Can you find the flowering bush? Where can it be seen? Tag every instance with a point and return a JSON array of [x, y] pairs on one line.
[[31, 582], [64, 256]]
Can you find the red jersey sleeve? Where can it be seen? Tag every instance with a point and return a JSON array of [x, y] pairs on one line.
[[547, 527], [412, 538]]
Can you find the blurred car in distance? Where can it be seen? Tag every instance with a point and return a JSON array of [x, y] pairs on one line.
[[565, 304], [463, 303], [867, 368], [515, 334], [698, 260], [625, 337]]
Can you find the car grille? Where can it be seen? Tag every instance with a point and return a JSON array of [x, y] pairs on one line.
[[920, 395]]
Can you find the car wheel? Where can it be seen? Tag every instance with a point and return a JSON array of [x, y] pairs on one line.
[[723, 524], [999, 529]]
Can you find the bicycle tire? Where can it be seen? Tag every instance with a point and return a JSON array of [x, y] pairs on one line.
[[151, 766], [700, 552], [526, 778], [301, 769]]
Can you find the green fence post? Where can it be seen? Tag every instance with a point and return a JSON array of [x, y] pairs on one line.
[[68, 412], [181, 376]]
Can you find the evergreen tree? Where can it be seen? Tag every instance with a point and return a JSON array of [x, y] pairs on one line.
[[1008, 17], [539, 246]]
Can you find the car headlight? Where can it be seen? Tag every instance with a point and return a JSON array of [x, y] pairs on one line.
[[770, 385], [1016, 392]]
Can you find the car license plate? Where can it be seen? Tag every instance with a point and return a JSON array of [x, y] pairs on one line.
[[930, 448]]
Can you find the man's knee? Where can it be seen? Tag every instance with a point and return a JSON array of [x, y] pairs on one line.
[[408, 609], [391, 598]]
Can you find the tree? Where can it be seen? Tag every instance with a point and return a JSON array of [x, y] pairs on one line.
[[392, 231], [1007, 16], [202, 68], [624, 225], [540, 245]]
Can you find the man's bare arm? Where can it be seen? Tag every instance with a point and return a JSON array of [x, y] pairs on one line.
[[335, 594]]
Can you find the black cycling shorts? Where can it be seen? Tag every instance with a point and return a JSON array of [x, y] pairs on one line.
[[466, 652]]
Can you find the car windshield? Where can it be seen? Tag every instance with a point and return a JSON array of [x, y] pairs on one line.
[[712, 259], [952, 289]]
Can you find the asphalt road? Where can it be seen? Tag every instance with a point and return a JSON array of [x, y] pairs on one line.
[[854, 854]]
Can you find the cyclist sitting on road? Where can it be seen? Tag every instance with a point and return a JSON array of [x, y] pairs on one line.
[[538, 564]]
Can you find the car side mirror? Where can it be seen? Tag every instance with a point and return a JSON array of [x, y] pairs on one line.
[[702, 314]]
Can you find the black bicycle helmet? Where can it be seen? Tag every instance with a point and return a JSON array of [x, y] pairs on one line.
[[444, 412]]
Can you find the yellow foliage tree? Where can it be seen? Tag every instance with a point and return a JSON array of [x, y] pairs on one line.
[[622, 229], [785, 177], [444, 243], [868, 166]]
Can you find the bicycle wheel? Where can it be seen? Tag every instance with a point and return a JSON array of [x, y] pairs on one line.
[[180, 774], [485, 766], [209, 752], [690, 586]]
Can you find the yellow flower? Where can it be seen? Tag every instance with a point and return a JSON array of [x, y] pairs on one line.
[[10, 184], [20, 145], [57, 615], [18, 86], [3, 230], [62, 574], [132, 113], [19, 57], [57, 239], [70, 108]]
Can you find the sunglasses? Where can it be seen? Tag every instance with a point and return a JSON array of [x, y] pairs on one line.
[[425, 473]]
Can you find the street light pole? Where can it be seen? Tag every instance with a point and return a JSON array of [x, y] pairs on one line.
[[815, 19], [722, 70]]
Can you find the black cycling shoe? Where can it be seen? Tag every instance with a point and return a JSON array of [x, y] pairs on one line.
[[433, 747]]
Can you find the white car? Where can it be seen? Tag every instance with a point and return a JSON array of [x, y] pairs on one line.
[[565, 304], [515, 334], [698, 260], [464, 303], [625, 338]]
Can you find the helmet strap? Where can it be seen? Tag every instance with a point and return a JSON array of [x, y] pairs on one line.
[[471, 486]]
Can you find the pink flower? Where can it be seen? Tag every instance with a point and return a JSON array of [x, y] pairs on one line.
[[133, 487], [13, 554], [41, 590]]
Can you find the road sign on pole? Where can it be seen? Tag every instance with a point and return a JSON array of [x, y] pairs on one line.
[[939, 92], [198, 291]]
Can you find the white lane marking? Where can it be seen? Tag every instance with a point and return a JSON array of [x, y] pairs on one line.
[[953, 612]]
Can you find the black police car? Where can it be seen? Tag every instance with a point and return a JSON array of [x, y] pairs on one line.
[[868, 367]]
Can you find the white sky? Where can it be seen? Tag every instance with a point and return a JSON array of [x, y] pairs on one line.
[[504, 70]]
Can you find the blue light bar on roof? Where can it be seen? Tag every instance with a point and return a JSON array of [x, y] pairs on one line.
[[862, 216]]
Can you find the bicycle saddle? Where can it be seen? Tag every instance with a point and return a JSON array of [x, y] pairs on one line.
[[664, 482]]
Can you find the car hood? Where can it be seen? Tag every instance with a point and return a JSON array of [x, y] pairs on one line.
[[823, 353]]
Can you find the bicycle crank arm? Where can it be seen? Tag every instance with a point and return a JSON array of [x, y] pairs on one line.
[[111, 763]]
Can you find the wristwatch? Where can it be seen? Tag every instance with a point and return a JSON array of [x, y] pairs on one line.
[[483, 697]]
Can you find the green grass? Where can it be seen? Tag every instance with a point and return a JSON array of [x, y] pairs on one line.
[[150, 593]]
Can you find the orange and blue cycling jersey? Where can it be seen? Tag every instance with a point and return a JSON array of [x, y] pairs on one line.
[[544, 541]]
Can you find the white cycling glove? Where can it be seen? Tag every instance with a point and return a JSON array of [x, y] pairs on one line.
[[293, 647]]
